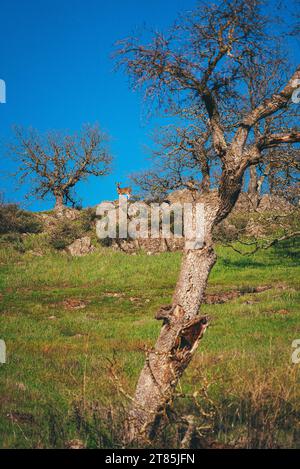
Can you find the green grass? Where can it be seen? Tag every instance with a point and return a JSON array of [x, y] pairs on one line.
[[56, 386]]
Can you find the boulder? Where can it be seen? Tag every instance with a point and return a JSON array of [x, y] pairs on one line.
[[273, 203], [80, 247], [254, 229]]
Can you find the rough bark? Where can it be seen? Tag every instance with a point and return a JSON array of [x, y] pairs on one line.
[[253, 192], [205, 184], [181, 332], [182, 329], [59, 203], [183, 326]]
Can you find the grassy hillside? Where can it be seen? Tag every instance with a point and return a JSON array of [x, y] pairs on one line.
[[76, 329]]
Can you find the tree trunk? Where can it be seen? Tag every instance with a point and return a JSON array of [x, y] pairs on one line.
[[205, 184], [59, 203], [253, 192], [181, 332], [205, 171], [183, 327]]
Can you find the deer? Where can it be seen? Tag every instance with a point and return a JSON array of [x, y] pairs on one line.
[[124, 191]]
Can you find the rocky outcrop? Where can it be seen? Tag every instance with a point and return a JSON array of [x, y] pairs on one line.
[[52, 218], [273, 203], [80, 247], [244, 203], [244, 220], [149, 245]]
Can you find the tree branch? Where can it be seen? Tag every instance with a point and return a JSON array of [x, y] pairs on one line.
[[219, 141], [278, 139], [267, 108], [273, 104]]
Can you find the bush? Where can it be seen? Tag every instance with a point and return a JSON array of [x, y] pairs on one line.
[[106, 242], [88, 219], [65, 232], [14, 240], [36, 242], [15, 220]]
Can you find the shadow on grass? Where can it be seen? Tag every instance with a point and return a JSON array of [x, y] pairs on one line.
[[289, 250]]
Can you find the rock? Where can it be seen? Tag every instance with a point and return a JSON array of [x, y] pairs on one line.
[[187, 196], [36, 253], [71, 213], [273, 203], [254, 229], [75, 444], [283, 311], [113, 295], [51, 219], [21, 386], [230, 229], [73, 303], [80, 247]]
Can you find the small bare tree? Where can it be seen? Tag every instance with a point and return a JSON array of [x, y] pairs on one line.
[[201, 64], [183, 155], [54, 163]]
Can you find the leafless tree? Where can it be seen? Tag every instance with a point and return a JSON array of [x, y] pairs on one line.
[[279, 171], [182, 157], [201, 65], [54, 163], [186, 152], [261, 79]]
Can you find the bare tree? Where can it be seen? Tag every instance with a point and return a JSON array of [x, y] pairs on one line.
[[261, 79], [186, 152], [183, 156], [200, 64], [54, 163], [279, 172]]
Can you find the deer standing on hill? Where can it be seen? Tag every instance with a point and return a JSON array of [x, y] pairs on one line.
[[125, 191]]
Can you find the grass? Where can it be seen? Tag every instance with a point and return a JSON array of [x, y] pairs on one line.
[[66, 320]]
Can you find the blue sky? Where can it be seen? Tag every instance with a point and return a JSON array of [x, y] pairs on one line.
[[55, 57]]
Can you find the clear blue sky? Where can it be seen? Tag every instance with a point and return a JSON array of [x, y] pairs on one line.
[[55, 57], [55, 60]]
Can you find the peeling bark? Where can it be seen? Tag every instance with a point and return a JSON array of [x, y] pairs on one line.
[[253, 187], [183, 328], [59, 203], [181, 332]]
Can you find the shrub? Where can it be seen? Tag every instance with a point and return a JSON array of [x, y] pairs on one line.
[[14, 240], [64, 233], [36, 242], [88, 218], [15, 220], [106, 242]]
